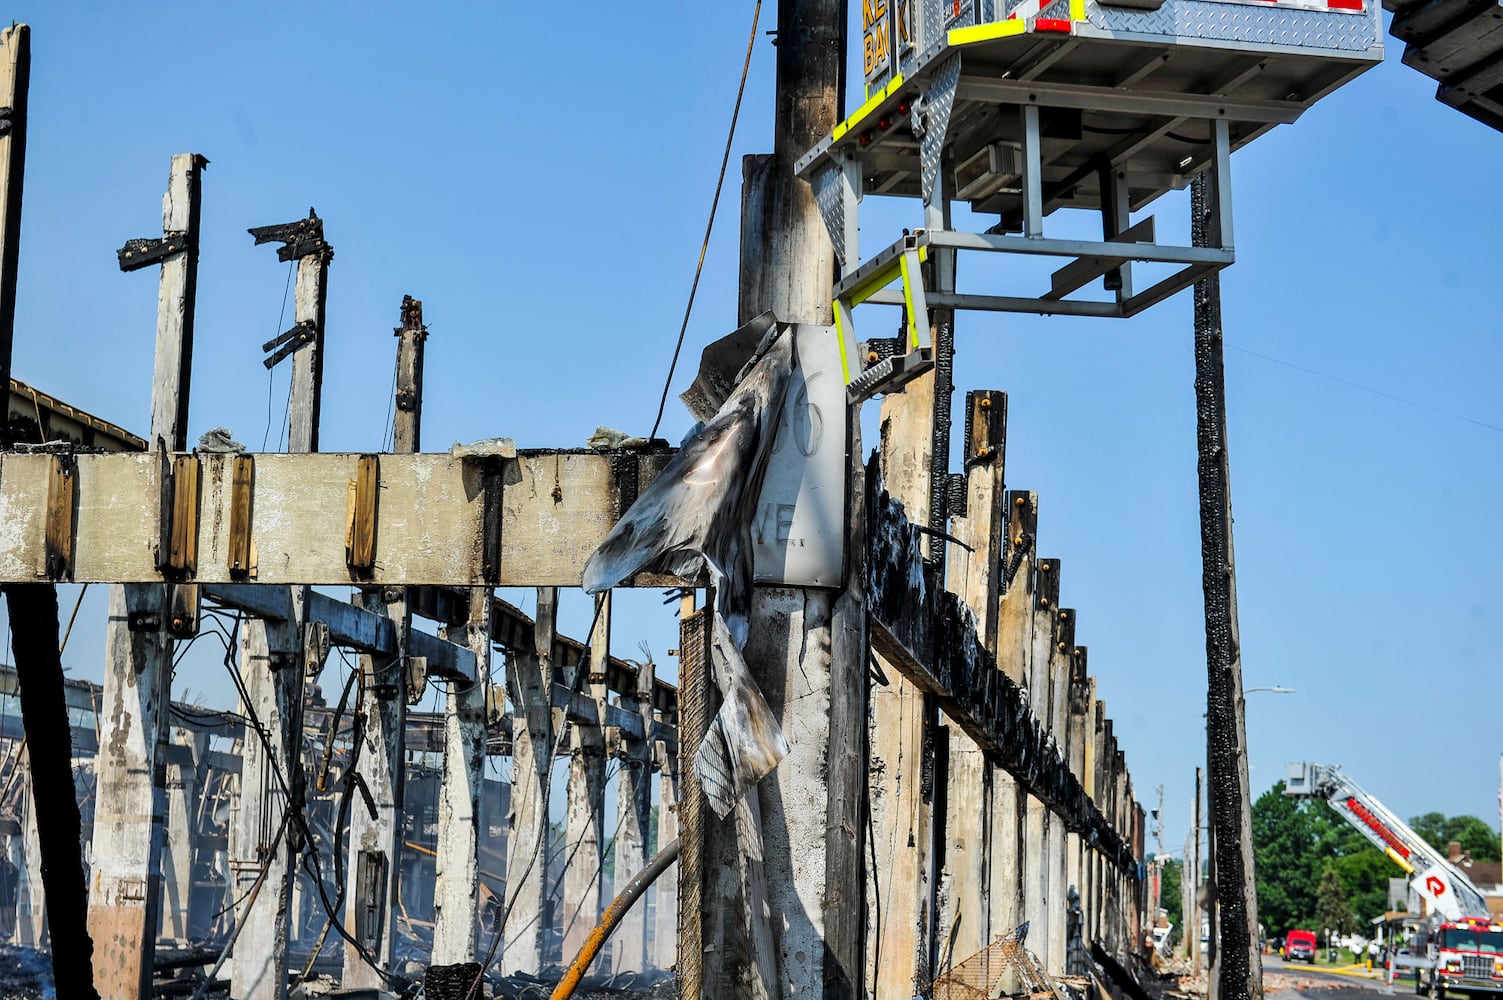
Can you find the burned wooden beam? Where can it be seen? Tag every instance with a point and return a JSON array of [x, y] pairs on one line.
[[930, 635]]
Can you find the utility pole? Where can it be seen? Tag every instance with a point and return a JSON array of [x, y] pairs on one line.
[[272, 662], [1193, 911], [130, 800], [1238, 965], [807, 651], [387, 687]]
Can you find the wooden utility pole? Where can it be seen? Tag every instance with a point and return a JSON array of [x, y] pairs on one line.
[[53, 823], [807, 650], [1193, 910], [130, 801], [1239, 970], [974, 570], [15, 87], [388, 684], [266, 837]]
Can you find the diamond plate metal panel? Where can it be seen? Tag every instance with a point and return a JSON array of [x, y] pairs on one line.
[[939, 100], [826, 185], [1231, 22], [933, 27]]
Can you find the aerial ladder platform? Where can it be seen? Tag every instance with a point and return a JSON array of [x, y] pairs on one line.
[[1015, 109], [1448, 893]]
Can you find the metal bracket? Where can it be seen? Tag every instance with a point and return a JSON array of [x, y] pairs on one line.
[[287, 342], [902, 261], [137, 254], [304, 238], [143, 621], [315, 647]]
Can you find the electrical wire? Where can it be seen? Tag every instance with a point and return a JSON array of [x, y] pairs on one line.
[[1367, 388], [537, 849], [710, 225], [270, 378], [311, 857]]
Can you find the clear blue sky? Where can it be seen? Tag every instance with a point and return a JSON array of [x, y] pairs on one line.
[[539, 175]]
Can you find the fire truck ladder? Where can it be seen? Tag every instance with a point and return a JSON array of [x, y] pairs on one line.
[[1450, 894]]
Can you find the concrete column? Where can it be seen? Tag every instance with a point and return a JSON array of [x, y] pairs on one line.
[[184, 783], [634, 806], [375, 846], [584, 818], [260, 828], [31, 911], [530, 685], [665, 890], [456, 867]]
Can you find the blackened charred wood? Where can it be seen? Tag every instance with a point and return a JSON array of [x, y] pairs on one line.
[[49, 739], [930, 634]]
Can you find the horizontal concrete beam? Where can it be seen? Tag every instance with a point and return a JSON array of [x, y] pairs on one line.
[[349, 626], [320, 519]]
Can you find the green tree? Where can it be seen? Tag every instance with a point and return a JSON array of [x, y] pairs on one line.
[[1171, 882], [1364, 878], [1286, 839], [1475, 836], [1333, 910]]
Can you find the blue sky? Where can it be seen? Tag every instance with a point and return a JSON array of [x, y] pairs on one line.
[[540, 180]]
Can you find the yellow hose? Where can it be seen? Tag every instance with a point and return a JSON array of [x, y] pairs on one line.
[[632, 892]]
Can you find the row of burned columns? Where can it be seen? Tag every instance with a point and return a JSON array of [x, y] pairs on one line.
[[963, 853]]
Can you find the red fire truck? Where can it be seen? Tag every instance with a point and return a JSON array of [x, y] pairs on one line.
[[1468, 957]]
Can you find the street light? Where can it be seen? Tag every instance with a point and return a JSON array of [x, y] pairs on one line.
[[1276, 689]]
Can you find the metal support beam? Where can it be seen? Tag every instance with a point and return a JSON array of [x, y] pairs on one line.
[[634, 807]]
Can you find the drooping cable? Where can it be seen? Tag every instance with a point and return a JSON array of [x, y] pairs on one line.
[[710, 225]]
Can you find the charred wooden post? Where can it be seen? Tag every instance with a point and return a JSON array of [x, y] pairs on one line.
[[266, 839], [389, 684], [584, 835], [1037, 906], [1239, 969], [1014, 646], [1077, 741], [901, 798], [974, 573], [15, 88], [807, 651], [302, 241], [530, 684], [44, 714], [634, 806], [53, 823], [1056, 884], [130, 802]]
